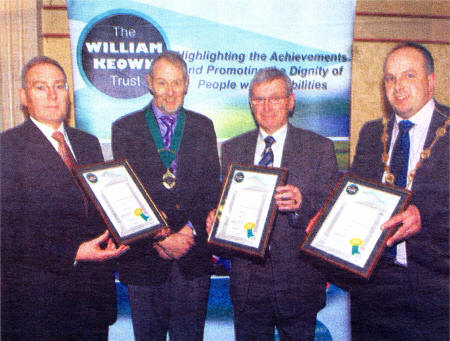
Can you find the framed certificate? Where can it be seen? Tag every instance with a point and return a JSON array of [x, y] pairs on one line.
[[246, 208], [119, 196], [348, 233]]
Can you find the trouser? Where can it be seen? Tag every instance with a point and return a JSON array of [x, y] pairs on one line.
[[177, 306]]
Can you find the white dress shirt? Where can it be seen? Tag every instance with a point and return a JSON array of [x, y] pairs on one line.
[[48, 131], [417, 136]]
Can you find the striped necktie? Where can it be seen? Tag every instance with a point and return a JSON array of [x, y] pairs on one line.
[[267, 157], [64, 150], [168, 122]]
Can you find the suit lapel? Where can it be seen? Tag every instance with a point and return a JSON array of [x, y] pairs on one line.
[[433, 163], [44, 159], [437, 121], [40, 149], [290, 151], [390, 128], [148, 147], [185, 154], [294, 155], [81, 154], [247, 155]]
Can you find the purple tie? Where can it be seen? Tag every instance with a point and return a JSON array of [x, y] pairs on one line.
[[168, 122]]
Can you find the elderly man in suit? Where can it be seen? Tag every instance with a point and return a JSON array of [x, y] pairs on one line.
[[174, 153], [407, 297], [56, 283], [285, 289]]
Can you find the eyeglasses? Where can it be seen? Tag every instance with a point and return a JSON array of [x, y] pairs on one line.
[[272, 100], [44, 88]]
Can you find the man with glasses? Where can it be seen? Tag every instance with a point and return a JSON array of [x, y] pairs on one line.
[[56, 283], [284, 290]]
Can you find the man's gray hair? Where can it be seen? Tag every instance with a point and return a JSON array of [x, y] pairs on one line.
[[269, 74], [172, 57], [38, 61]]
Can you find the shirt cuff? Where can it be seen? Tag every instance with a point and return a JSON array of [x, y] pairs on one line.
[[189, 224]]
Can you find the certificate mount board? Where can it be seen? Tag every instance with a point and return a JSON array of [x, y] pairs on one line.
[[246, 209], [121, 199], [347, 232]]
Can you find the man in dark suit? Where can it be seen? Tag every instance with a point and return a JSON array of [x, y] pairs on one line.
[[284, 289], [407, 297], [56, 284], [174, 153]]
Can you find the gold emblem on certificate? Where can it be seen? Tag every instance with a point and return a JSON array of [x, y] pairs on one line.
[[355, 243], [249, 228], [168, 179], [138, 212]]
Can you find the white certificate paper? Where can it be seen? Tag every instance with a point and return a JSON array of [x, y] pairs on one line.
[[245, 212], [352, 228]]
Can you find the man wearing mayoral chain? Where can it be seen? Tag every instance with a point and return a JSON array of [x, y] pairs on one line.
[[56, 282], [285, 289], [407, 297], [174, 153]]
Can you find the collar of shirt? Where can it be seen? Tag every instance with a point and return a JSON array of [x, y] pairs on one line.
[[48, 131], [277, 147], [417, 134], [421, 118]]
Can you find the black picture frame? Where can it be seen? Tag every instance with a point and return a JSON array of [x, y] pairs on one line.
[[121, 200], [330, 238]]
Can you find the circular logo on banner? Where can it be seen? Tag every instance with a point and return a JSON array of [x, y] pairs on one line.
[[116, 52]]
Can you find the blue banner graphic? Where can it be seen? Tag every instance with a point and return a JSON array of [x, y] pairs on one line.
[[224, 44]]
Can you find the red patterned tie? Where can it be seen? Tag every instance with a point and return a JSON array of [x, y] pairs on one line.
[[64, 150]]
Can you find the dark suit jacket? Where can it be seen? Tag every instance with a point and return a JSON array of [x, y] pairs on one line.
[[194, 195], [43, 223], [428, 251], [312, 167]]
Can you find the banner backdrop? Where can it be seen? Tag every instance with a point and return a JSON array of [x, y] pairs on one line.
[[224, 43]]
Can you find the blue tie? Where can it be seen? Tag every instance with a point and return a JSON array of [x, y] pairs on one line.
[[400, 154], [399, 166], [267, 157]]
